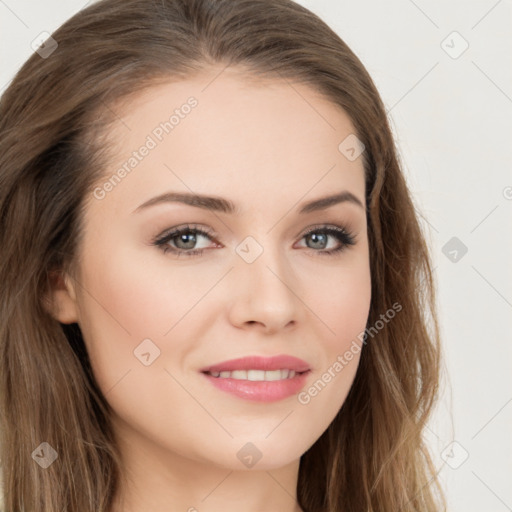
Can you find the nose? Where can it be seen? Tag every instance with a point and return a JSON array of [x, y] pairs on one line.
[[263, 296]]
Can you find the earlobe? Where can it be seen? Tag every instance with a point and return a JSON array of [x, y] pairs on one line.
[[61, 300]]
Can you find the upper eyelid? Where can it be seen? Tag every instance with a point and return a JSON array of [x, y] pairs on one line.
[[184, 228]]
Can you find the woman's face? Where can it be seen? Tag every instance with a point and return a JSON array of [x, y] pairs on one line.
[[250, 283]]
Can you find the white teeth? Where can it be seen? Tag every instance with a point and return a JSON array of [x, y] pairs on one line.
[[256, 375], [274, 375]]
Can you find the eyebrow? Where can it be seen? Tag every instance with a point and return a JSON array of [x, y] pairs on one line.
[[222, 205]]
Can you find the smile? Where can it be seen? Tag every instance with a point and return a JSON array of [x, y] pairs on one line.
[[256, 375]]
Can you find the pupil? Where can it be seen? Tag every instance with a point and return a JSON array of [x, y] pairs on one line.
[[191, 242], [318, 239]]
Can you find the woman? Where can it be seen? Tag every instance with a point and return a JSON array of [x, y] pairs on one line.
[[215, 290]]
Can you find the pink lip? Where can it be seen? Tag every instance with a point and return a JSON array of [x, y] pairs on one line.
[[260, 363], [260, 391]]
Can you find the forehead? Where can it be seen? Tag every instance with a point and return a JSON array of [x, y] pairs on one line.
[[226, 133]]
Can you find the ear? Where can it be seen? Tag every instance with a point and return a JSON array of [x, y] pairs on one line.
[[61, 300]]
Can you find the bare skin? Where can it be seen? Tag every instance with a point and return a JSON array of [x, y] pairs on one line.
[[269, 148]]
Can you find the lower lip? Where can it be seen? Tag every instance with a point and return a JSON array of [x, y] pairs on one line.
[[260, 391]]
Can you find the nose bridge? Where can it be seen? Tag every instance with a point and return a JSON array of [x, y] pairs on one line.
[[262, 259], [262, 275]]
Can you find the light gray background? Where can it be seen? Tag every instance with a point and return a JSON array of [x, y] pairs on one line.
[[451, 115]]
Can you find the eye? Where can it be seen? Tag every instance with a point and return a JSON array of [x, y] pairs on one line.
[[182, 240], [319, 238]]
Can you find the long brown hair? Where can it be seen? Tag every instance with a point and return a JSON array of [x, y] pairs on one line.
[[372, 457]]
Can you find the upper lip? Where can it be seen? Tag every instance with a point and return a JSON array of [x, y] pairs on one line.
[[260, 363]]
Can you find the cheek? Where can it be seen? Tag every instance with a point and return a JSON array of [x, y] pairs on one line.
[[132, 296], [342, 303], [343, 309], [121, 304], [138, 298], [346, 310]]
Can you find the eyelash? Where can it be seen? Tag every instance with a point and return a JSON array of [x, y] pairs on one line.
[[162, 241]]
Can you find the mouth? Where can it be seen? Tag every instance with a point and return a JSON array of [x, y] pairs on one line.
[[260, 379], [256, 375]]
